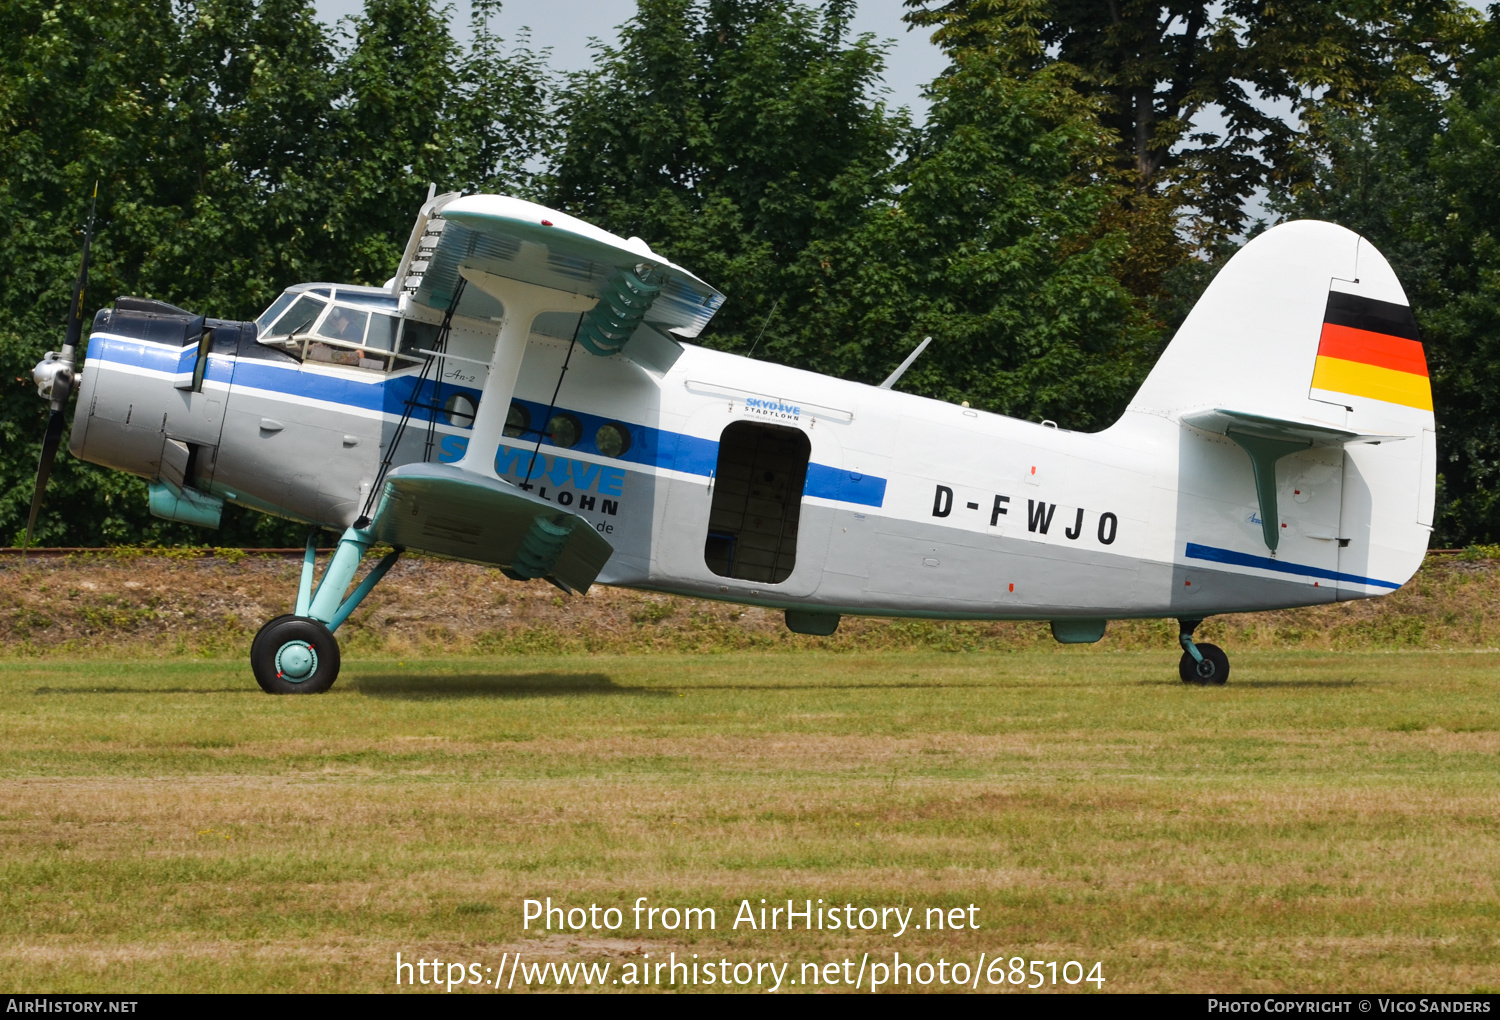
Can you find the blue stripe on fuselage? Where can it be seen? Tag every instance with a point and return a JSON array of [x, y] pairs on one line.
[[1238, 559], [388, 395], [649, 447]]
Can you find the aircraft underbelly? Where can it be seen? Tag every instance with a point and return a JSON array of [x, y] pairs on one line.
[[995, 575]]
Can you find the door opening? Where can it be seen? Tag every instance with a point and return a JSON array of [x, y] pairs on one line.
[[752, 525]]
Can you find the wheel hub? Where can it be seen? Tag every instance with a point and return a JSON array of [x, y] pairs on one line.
[[1206, 669], [296, 661]]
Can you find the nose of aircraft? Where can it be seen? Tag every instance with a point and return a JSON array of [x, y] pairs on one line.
[[151, 402]]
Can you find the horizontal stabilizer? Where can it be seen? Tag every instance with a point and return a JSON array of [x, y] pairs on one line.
[[1221, 421], [440, 509]]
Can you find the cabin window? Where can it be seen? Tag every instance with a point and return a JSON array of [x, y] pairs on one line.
[[517, 421], [419, 336], [757, 500], [382, 332], [358, 328], [346, 324], [269, 315], [459, 410], [612, 439], [200, 367], [564, 430]]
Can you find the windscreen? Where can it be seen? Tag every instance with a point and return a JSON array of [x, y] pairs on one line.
[[263, 324], [297, 318]]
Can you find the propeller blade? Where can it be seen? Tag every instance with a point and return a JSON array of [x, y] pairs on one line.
[[50, 442], [75, 310], [62, 378]]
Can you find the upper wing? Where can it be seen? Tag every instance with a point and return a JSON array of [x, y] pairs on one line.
[[524, 241]]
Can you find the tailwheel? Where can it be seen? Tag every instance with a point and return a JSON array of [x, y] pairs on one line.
[[1212, 669], [294, 655]]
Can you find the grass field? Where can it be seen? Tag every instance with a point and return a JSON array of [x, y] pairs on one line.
[[1327, 821]]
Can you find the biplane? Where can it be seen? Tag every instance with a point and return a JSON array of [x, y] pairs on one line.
[[525, 393]]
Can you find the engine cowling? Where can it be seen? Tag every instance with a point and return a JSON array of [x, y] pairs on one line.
[[151, 400]]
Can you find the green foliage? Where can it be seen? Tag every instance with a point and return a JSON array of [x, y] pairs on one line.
[[240, 147], [992, 243], [744, 141], [1038, 224], [1157, 66], [733, 137], [1420, 179]]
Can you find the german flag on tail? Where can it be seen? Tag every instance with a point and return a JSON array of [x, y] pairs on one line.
[[1372, 349]]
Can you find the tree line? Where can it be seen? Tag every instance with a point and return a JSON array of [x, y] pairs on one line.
[[1050, 219]]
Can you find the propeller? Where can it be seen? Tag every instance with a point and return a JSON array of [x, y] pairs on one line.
[[54, 378]]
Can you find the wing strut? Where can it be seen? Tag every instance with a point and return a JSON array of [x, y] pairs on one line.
[[522, 302], [547, 418], [1264, 453]]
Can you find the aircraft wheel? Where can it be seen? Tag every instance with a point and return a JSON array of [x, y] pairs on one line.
[[1213, 670], [294, 655]]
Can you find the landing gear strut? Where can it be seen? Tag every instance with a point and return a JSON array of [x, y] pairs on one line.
[[297, 653], [1200, 664]]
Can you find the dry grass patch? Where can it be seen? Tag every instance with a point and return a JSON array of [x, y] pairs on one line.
[[197, 603]]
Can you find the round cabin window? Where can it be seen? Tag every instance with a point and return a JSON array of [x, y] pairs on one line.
[[564, 430], [460, 409], [517, 421], [612, 439]]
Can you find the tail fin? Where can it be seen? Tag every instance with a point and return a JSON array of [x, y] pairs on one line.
[[1306, 339]]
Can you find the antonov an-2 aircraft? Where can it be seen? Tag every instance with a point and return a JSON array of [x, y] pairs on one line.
[[521, 394]]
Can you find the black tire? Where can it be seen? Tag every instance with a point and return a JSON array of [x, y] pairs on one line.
[[1212, 671], [272, 643]]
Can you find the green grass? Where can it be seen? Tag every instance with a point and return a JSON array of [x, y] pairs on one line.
[[1326, 821]]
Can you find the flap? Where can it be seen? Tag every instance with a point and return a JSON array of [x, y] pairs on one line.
[[1221, 420], [440, 509]]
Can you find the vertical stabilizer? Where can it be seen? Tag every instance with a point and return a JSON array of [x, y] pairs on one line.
[[1304, 351]]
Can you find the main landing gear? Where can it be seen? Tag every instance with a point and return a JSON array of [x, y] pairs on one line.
[[1200, 664], [297, 653]]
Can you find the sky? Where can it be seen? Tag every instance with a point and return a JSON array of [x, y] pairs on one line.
[[567, 25]]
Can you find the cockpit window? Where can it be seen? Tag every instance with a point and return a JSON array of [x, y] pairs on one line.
[[419, 336], [352, 333], [263, 324], [347, 324], [297, 318], [382, 332]]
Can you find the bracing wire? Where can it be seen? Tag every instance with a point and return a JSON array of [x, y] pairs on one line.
[[547, 419], [766, 322], [412, 403]]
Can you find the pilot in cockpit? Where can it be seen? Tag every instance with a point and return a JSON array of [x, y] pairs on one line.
[[343, 326]]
